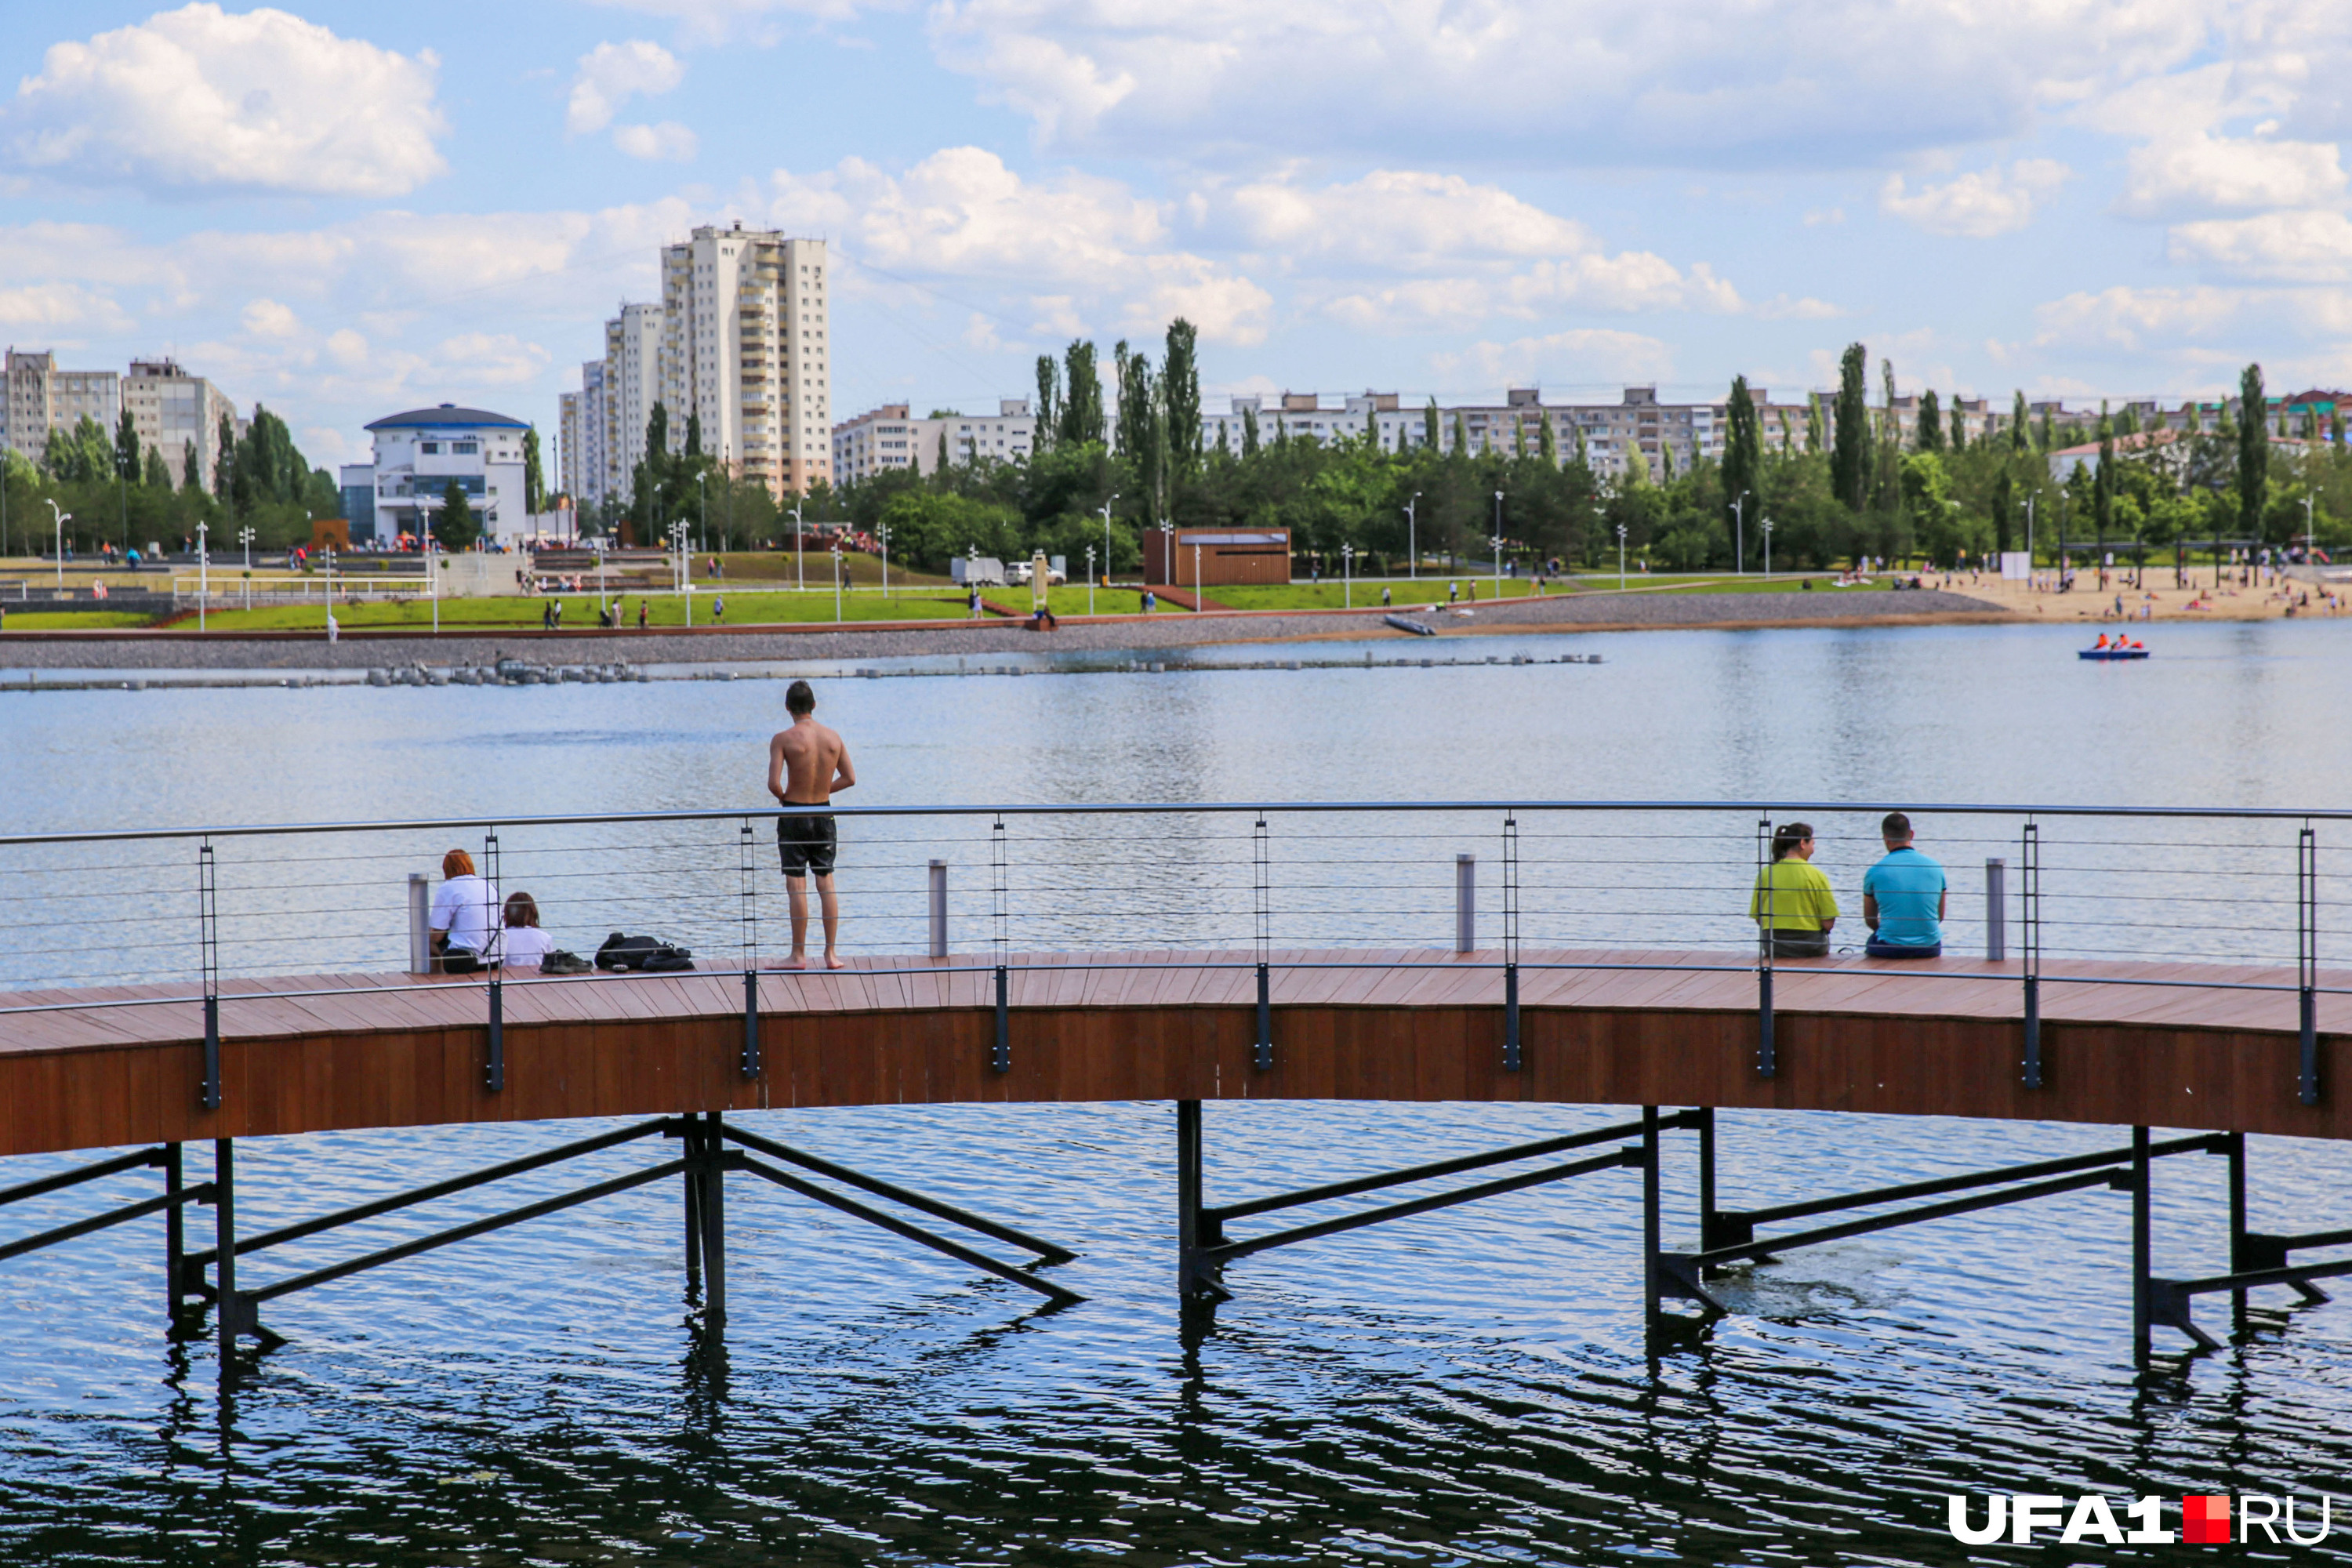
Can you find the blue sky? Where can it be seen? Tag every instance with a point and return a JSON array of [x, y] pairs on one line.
[[341, 210]]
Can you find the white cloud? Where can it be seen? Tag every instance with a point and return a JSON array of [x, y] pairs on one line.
[[269, 319], [612, 74], [668, 142], [196, 100], [2200, 173], [1398, 218], [1977, 206], [2135, 318], [716, 21], [1713, 83], [2309, 246], [1078, 247], [51, 310], [1581, 357]]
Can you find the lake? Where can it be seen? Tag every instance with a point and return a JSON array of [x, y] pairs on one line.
[[1464, 1387]]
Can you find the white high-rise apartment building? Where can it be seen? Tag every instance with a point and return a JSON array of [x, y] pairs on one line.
[[631, 385], [588, 457], [567, 445], [744, 350], [42, 399], [175, 412]]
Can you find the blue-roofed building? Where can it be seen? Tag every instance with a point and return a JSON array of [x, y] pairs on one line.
[[418, 453]]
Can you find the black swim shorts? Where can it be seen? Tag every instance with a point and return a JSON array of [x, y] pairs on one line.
[[806, 845]]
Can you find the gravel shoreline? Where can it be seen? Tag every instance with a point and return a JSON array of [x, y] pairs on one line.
[[1577, 612]]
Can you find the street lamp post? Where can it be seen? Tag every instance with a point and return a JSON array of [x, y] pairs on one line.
[[702, 513], [799, 574], [883, 533], [2309, 538], [1498, 547], [837, 583], [1740, 534], [1767, 547], [1348, 575], [1411, 544], [1106, 511], [1620, 557], [204, 576], [63, 518]]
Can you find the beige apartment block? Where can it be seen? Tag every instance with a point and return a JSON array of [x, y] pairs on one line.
[[173, 413], [744, 349], [632, 386], [42, 399], [889, 438]]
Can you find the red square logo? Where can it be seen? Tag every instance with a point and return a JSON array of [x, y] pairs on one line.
[[2205, 1520]]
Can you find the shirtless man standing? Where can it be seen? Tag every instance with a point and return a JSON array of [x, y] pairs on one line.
[[806, 765]]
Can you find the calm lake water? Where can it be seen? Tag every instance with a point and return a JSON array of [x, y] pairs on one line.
[[1467, 1387]]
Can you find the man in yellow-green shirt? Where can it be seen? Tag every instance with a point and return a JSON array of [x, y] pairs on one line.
[[1792, 901]]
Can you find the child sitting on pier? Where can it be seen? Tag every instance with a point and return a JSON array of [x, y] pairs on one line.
[[523, 945]]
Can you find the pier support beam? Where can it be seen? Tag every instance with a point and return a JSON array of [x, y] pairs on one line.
[[1196, 1229]]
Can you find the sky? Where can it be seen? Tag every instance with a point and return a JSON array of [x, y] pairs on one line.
[[345, 210]]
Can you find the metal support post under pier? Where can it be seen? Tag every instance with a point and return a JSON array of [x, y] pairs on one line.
[[2257, 1259], [1203, 1247]]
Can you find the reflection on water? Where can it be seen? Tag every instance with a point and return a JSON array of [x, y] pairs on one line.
[[1464, 1387]]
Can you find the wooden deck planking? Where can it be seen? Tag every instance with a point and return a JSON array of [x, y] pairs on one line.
[[1405, 1024]]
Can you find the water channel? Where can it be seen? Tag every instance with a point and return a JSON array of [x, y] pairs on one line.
[[1468, 1387]]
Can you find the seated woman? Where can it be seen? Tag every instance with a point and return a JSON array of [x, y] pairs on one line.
[[463, 908], [523, 945], [1792, 904]]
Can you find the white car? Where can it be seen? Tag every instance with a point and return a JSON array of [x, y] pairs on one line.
[[1017, 573]]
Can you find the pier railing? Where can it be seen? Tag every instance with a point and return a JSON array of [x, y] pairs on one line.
[[1513, 886]]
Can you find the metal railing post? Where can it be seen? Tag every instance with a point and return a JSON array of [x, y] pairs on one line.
[[750, 930], [420, 923], [1767, 1054], [2306, 961], [208, 956], [1510, 942], [494, 1074], [938, 908], [2030, 947], [1262, 935], [1466, 903], [1996, 908]]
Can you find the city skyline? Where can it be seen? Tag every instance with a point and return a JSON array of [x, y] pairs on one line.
[[338, 212]]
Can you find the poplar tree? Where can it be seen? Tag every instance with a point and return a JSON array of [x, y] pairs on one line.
[[2020, 424], [534, 478], [1082, 405], [1249, 434], [2103, 483], [1813, 422], [156, 475], [192, 473], [224, 457], [1048, 418], [1548, 442], [126, 448], [1179, 386], [1851, 442], [2253, 451], [1743, 449], [1429, 426], [1930, 437]]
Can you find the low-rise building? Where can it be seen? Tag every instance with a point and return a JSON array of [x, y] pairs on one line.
[[177, 415], [890, 437], [419, 453], [41, 400]]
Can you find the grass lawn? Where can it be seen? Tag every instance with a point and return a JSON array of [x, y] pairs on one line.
[[1367, 593], [1724, 582], [743, 608], [67, 620]]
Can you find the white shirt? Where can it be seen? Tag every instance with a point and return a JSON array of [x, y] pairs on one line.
[[465, 907], [526, 947]]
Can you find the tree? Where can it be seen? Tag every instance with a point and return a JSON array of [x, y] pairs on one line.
[[1180, 382], [534, 479], [192, 473], [1931, 421], [456, 528], [1850, 450], [126, 448], [693, 433], [2253, 451], [225, 458], [2020, 424], [155, 475], [1049, 403], [2003, 489], [1429, 426], [1249, 434], [1813, 422], [1743, 449], [1082, 408], [2103, 483]]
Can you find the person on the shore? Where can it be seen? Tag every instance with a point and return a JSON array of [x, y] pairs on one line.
[[641, 613], [1903, 898], [1384, 598], [719, 609], [1792, 903], [523, 945], [806, 765], [461, 922]]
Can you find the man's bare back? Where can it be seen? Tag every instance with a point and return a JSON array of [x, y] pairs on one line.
[[808, 764]]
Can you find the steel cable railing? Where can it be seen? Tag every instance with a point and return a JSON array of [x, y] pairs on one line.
[[1233, 885]]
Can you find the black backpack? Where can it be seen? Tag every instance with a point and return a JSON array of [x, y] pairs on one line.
[[644, 954]]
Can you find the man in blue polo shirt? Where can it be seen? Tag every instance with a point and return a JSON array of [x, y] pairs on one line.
[[1903, 898]]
